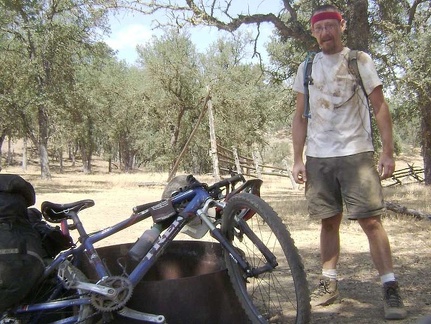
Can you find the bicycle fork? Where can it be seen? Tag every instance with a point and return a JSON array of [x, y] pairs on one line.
[[233, 252]]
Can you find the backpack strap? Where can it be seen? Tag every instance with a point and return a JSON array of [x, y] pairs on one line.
[[308, 66], [354, 70], [308, 80]]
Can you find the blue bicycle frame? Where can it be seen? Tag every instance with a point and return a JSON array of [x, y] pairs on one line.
[[196, 198]]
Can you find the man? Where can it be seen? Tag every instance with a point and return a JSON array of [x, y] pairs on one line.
[[339, 165]]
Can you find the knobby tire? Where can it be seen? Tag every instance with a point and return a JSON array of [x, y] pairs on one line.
[[277, 296]]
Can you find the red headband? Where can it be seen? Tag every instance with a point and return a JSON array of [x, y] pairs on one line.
[[325, 15]]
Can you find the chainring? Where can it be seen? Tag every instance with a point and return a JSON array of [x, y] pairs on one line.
[[124, 289]]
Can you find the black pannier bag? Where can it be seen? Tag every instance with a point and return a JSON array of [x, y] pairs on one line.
[[53, 239], [21, 252]]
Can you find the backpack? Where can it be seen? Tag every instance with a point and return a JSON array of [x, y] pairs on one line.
[[21, 252], [16, 195], [308, 80]]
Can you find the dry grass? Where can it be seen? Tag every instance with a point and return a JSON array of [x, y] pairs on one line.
[[116, 194], [414, 195]]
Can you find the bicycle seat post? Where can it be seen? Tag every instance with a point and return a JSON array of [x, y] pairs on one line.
[[78, 224], [64, 227]]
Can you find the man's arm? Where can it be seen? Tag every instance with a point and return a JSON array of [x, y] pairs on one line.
[[384, 122], [299, 134]]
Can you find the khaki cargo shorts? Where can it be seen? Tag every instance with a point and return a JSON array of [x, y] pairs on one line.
[[352, 181]]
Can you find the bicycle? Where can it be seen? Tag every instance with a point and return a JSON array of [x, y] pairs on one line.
[[262, 261]]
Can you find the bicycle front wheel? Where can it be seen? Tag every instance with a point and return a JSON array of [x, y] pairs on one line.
[[275, 295]]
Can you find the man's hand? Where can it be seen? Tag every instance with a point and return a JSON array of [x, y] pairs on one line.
[[386, 166], [298, 173]]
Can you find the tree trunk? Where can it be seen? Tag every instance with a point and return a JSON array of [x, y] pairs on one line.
[[44, 162], [86, 159], [127, 155], [358, 29], [127, 159], [74, 152], [86, 164], [60, 159], [426, 141], [43, 144], [24, 154], [2, 137], [87, 146], [9, 160]]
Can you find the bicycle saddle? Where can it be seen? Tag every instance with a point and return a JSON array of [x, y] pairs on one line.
[[55, 213]]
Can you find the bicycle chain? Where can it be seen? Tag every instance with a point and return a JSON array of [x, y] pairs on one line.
[[124, 289]]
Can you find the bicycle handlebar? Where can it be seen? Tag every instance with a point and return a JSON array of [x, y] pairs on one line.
[[225, 182], [140, 208], [193, 183]]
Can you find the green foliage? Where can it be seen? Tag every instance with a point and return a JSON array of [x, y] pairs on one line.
[[172, 96], [242, 97], [60, 83], [400, 45], [46, 41]]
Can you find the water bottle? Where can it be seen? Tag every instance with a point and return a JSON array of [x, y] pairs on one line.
[[144, 243]]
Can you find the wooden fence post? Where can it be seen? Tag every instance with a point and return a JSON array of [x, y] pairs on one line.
[[230, 160], [236, 157], [213, 139], [257, 164]]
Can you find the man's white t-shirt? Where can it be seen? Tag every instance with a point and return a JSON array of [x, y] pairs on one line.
[[340, 118]]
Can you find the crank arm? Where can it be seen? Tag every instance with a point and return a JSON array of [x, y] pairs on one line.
[[130, 313], [70, 281], [101, 290]]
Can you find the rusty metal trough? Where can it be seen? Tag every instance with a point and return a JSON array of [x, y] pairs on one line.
[[188, 284]]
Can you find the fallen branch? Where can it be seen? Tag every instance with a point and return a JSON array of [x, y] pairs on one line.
[[407, 211]]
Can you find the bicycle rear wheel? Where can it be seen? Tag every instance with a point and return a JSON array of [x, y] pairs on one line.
[[279, 295], [51, 290]]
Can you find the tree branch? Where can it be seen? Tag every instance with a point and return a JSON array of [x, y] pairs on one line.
[[198, 13], [407, 211]]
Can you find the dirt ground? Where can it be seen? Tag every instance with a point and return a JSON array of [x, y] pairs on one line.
[[360, 289], [359, 283]]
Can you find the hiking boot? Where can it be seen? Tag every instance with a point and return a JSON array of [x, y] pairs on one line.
[[392, 302], [326, 293]]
